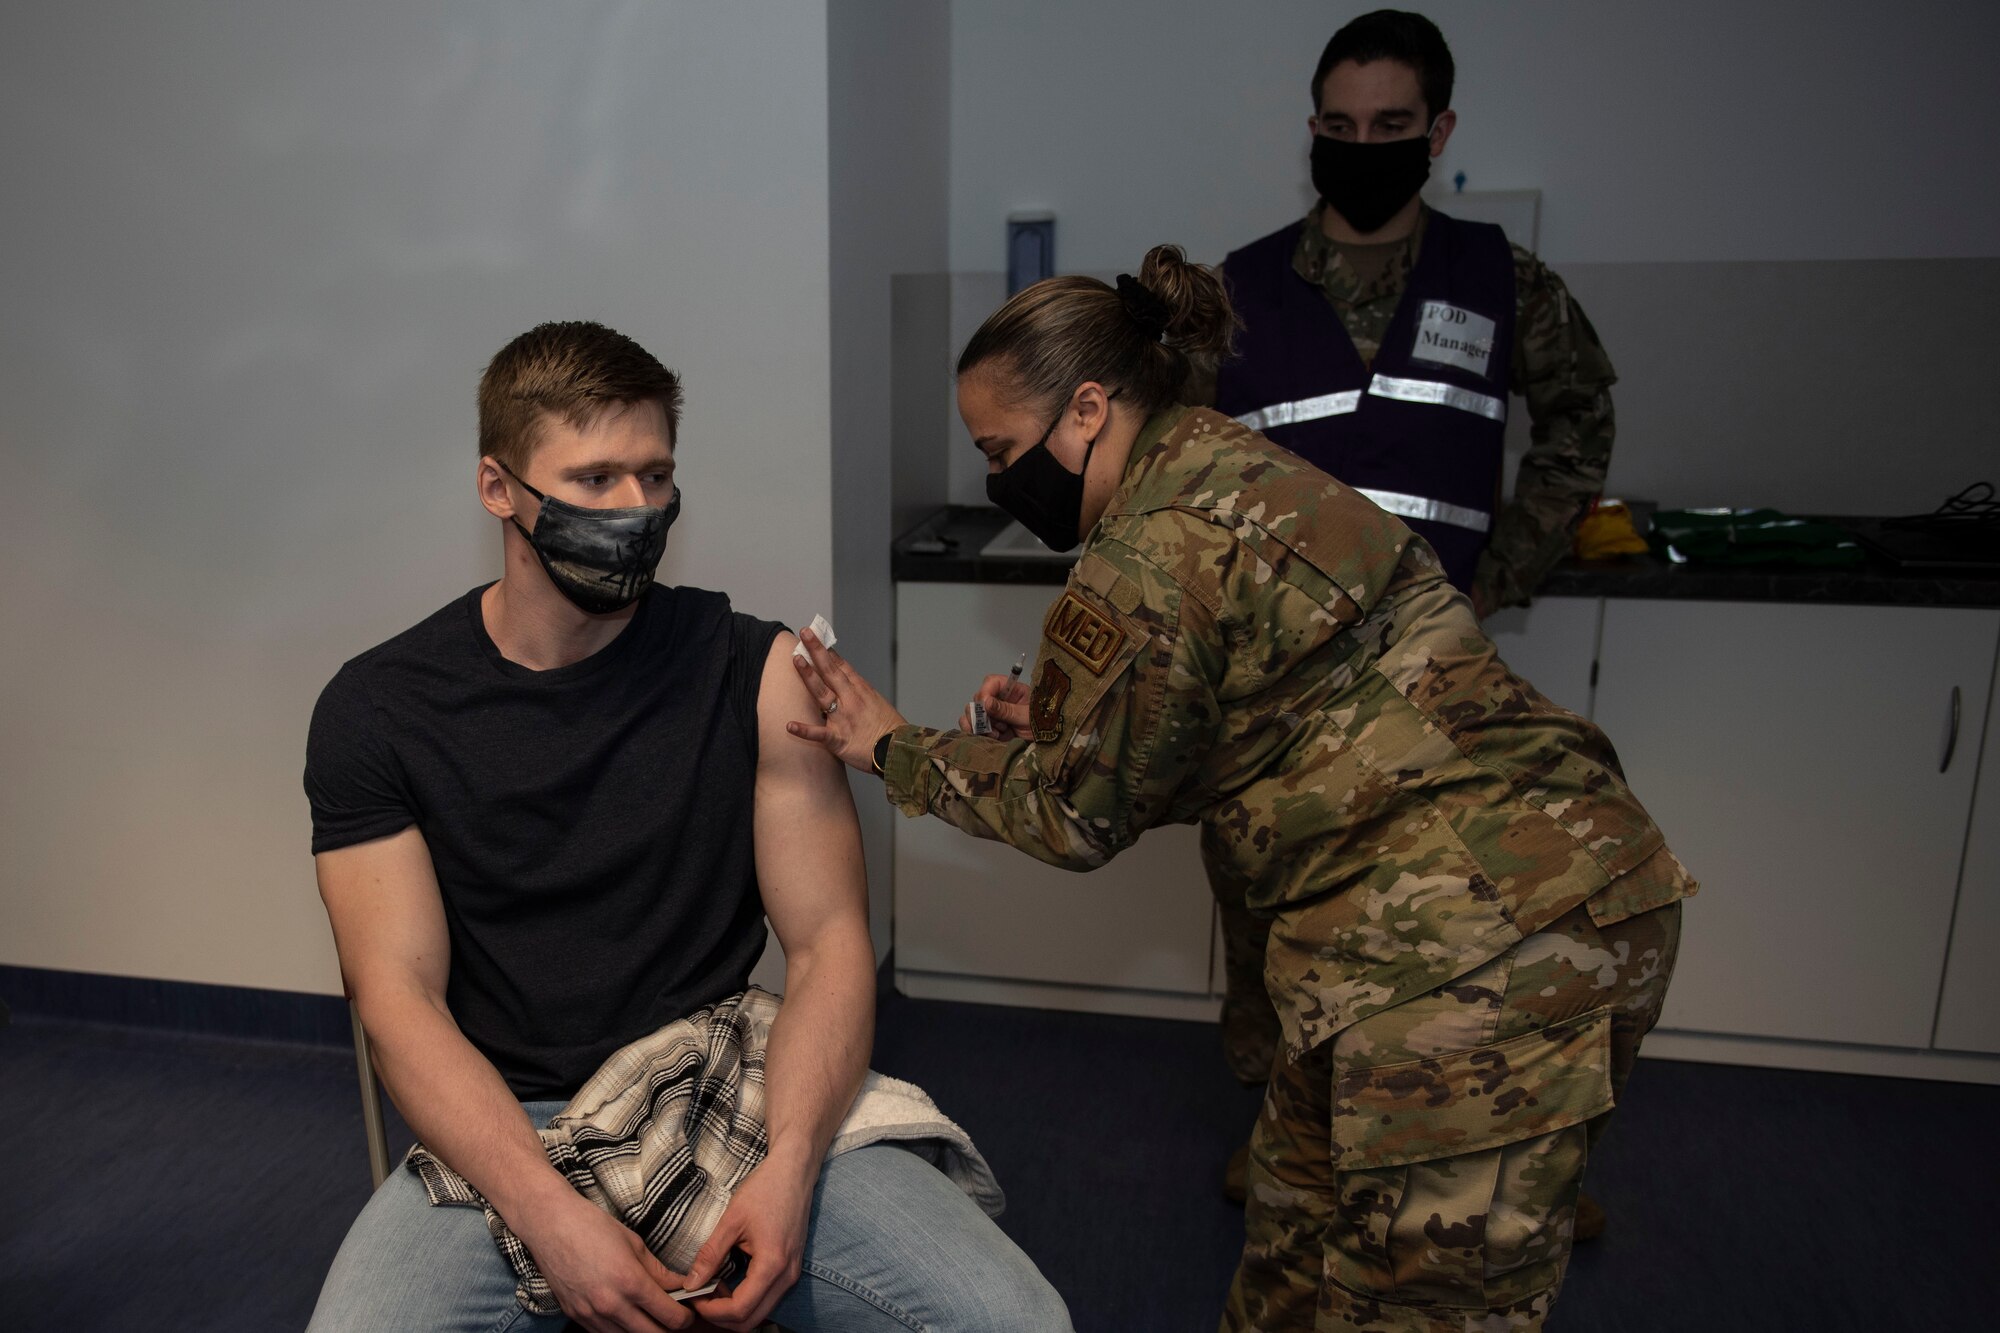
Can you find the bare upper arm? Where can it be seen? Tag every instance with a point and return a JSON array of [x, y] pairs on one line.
[[388, 918], [808, 839]]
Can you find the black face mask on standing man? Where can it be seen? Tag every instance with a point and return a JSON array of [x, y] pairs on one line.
[[1045, 496], [1367, 183]]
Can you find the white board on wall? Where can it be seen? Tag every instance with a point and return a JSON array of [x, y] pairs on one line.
[[1516, 212]]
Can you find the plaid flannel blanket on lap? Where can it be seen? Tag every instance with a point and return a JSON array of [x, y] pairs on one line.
[[664, 1132]]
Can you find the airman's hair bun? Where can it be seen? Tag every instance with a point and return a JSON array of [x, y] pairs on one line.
[[1199, 320], [1145, 307], [1146, 336]]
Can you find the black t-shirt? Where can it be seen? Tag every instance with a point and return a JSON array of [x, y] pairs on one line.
[[590, 824]]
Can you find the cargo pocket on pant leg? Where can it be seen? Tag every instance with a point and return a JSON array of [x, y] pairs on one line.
[[1457, 1174]]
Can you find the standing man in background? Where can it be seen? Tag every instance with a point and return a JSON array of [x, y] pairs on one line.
[[1381, 341]]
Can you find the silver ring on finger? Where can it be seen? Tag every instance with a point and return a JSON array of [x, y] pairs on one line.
[[833, 708]]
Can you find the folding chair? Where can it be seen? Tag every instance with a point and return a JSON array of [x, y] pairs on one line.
[[372, 1123]]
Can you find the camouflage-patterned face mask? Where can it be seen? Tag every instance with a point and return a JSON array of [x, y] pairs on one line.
[[600, 559]]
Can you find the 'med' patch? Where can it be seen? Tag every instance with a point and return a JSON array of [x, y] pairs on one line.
[[1084, 632], [1046, 704]]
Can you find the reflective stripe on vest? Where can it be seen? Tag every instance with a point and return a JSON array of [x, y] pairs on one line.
[[1382, 386], [1437, 511], [1445, 395], [1305, 409]]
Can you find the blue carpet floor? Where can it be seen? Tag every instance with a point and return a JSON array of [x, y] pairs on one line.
[[160, 1181]]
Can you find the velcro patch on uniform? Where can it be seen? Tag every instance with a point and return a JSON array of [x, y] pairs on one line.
[[1102, 577], [1046, 704], [1083, 631]]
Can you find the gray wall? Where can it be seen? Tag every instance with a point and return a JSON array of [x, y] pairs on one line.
[[1819, 386], [1774, 214], [1698, 131], [255, 257], [924, 429], [887, 75]]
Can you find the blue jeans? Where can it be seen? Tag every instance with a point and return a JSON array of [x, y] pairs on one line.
[[892, 1246]]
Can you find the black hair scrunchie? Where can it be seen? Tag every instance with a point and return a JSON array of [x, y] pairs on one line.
[[1145, 307]]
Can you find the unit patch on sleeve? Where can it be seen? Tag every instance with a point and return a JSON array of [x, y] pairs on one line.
[[1086, 633], [1046, 704]]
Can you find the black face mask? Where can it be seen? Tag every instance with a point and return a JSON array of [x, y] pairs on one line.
[[1367, 183], [601, 559], [1044, 495]]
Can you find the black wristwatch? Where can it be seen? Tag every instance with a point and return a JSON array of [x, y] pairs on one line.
[[882, 753]]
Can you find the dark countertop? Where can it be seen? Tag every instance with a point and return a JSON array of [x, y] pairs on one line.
[[969, 527]]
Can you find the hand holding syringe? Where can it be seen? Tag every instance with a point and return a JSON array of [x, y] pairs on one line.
[[1000, 707]]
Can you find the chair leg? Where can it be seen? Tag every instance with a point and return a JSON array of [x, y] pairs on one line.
[[371, 1102]]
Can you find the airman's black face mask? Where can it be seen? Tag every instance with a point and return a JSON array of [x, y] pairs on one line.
[[1044, 495], [601, 559], [1367, 183]]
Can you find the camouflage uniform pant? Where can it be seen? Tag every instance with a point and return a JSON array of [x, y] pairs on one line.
[[1418, 1172], [1249, 1023]]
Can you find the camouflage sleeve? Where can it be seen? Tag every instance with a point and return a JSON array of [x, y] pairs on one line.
[[1561, 368], [1122, 710]]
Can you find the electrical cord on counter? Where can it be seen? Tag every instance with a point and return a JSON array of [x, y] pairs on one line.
[[1973, 507]]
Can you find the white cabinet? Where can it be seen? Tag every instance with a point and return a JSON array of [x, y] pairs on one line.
[[1792, 754], [1969, 1011], [979, 920], [1552, 645]]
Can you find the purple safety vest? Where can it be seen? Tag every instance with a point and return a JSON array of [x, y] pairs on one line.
[[1420, 435]]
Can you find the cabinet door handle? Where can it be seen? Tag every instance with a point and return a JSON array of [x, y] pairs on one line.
[[1951, 733]]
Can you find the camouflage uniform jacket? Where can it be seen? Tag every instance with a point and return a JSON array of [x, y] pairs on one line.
[[1559, 366], [1248, 644]]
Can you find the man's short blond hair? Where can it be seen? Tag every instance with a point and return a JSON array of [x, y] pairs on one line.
[[574, 371]]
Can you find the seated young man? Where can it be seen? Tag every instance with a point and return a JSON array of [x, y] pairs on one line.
[[552, 818]]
